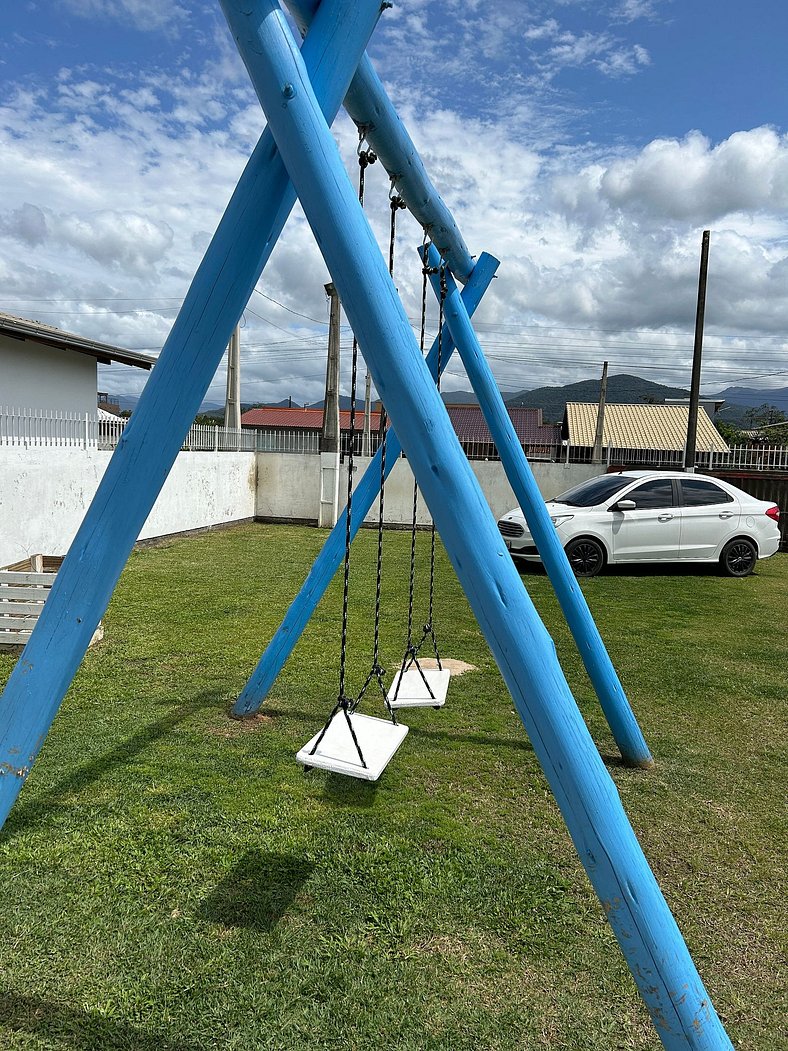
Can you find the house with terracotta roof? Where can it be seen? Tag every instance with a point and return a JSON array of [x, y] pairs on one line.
[[647, 435], [539, 440], [294, 429]]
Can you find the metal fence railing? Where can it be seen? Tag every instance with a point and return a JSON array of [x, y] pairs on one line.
[[40, 427], [35, 428]]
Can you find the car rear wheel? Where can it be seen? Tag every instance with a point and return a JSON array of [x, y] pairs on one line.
[[738, 558], [586, 556]]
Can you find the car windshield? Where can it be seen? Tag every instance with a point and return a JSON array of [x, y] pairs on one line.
[[595, 490]]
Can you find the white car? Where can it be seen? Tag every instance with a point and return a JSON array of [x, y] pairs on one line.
[[654, 516]]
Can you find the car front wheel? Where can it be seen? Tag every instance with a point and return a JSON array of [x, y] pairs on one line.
[[738, 558], [586, 556]]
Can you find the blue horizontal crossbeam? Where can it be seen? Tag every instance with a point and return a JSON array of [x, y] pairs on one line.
[[369, 106]]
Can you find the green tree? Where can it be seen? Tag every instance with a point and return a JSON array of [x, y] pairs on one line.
[[732, 434], [764, 416]]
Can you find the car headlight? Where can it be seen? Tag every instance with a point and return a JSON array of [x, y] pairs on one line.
[[559, 520]]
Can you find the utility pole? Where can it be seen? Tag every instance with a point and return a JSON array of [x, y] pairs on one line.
[[692, 420], [232, 401], [330, 435], [600, 417], [366, 447]]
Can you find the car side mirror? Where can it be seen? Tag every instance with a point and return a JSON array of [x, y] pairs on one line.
[[625, 505]]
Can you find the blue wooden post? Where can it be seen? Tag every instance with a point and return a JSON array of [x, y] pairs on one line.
[[642, 922], [597, 661], [219, 292], [325, 565]]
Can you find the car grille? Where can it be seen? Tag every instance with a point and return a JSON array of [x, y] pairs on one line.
[[510, 528]]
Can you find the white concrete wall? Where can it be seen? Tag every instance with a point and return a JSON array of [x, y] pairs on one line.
[[44, 493], [289, 486], [33, 376]]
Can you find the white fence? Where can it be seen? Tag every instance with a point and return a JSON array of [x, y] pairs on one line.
[[31, 428], [34, 428]]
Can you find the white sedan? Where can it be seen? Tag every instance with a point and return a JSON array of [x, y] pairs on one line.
[[651, 516]]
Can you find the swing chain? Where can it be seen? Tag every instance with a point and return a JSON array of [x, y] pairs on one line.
[[344, 703], [365, 158], [429, 630], [411, 655], [377, 671]]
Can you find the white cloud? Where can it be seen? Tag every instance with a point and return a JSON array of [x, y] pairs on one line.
[[147, 15], [692, 178], [113, 187]]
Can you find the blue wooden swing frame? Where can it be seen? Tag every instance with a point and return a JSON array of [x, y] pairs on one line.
[[300, 92]]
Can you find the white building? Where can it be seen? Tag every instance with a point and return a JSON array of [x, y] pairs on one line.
[[47, 370]]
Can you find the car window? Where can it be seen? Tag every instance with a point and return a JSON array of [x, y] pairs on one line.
[[594, 491], [697, 492], [656, 493]]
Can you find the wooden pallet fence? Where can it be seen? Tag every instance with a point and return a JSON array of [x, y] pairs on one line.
[[24, 588]]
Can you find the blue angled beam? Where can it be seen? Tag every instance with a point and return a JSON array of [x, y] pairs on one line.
[[221, 288], [596, 659], [369, 106], [608, 848], [325, 565]]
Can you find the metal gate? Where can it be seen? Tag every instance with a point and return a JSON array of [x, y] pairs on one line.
[[763, 485]]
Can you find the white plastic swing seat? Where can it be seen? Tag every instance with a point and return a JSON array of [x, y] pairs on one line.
[[378, 739], [413, 692]]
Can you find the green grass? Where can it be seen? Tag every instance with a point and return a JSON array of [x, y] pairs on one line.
[[173, 880]]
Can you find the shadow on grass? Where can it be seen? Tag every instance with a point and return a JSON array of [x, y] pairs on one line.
[[81, 1030], [350, 791], [486, 740], [460, 737], [29, 813], [257, 891], [638, 569]]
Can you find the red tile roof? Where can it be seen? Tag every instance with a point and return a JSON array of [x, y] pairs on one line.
[[470, 425], [467, 420], [285, 418]]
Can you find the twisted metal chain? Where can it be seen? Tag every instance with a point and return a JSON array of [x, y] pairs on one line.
[[344, 703], [365, 158], [377, 671]]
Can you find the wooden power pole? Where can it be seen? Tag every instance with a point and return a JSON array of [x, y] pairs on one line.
[[600, 417], [232, 401], [692, 419]]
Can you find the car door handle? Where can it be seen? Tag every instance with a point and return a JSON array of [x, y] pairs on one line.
[[664, 518], [726, 514]]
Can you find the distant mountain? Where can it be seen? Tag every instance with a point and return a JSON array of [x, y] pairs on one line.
[[459, 397], [621, 390], [752, 397], [128, 403], [344, 403]]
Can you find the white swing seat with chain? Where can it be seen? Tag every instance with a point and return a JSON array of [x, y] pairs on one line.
[[413, 691], [378, 740]]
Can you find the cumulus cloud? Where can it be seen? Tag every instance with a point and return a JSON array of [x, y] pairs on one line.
[[691, 177], [115, 184], [27, 224]]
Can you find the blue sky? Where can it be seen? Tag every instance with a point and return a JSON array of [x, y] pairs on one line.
[[587, 145]]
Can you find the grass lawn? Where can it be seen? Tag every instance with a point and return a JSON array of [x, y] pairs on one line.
[[173, 880]]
